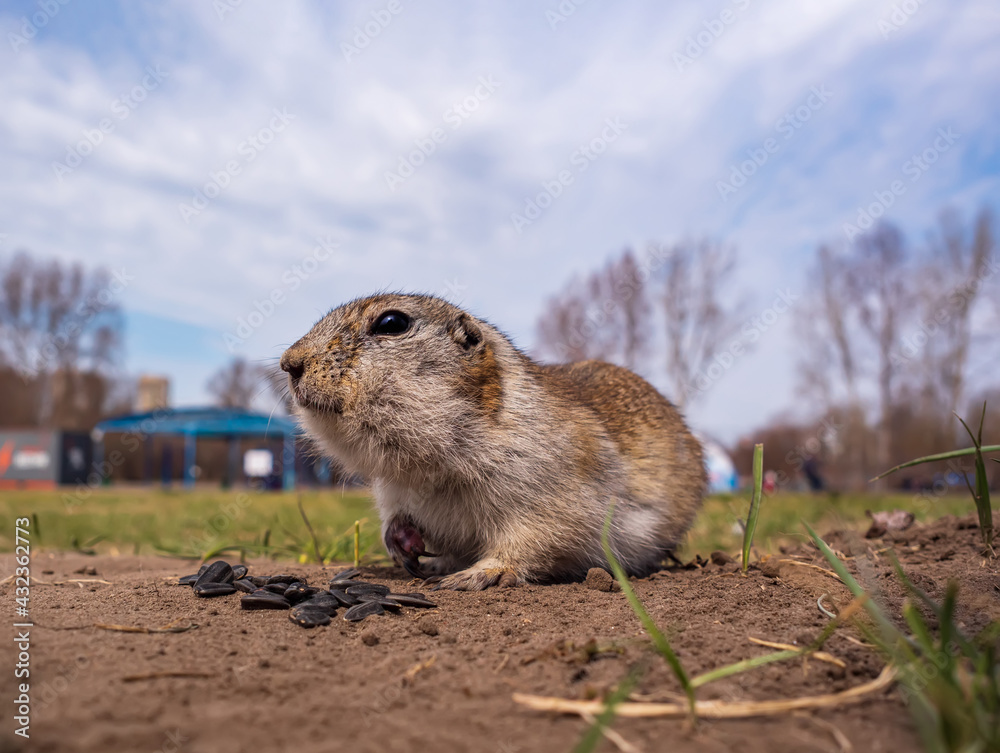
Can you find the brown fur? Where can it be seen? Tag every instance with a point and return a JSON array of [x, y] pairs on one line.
[[505, 467]]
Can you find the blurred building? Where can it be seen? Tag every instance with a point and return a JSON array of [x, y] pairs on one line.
[[41, 459], [153, 393]]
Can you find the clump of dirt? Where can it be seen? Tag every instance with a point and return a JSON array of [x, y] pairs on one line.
[[443, 679]]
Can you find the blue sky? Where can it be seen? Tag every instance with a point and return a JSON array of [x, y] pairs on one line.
[[293, 126]]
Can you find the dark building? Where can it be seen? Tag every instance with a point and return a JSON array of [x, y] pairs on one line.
[[42, 458]]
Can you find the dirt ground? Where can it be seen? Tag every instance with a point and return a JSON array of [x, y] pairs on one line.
[[442, 680]]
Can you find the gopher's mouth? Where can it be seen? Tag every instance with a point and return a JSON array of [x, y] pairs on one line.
[[316, 404]]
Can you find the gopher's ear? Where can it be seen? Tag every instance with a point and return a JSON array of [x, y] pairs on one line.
[[465, 332]]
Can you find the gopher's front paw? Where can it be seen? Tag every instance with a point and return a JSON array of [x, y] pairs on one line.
[[482, 575], [405, 545]]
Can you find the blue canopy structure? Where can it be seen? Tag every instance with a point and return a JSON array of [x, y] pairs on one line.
[[216, 423]]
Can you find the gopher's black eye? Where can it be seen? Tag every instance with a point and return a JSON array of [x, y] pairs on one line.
[[391, 323]]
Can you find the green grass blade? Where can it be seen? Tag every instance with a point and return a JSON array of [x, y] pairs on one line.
[[659, 639], [918, 627], [743, 666], [755, 500], [594, 733], [981, 494], [940, 456], [889, 632]]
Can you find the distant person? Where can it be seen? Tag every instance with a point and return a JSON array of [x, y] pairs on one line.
[[811, 470], [770, 483]]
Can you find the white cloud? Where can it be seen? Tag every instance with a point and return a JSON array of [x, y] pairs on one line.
[[325, 173]]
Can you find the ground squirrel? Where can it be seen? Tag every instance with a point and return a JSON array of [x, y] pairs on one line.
[[496, 468]]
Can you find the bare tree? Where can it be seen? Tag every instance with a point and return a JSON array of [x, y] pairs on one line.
[[60, 335], [957, 268], [675, 295], [830, 364], [884, 296], [602, 316], [886, 336], [237, 384], [697, 319], [56, 317]]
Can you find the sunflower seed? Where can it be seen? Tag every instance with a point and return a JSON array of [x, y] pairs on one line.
[[308, 618], [214, 589], [367, 588], [218, 572], [264, 600], [362, 610], [413, 600]]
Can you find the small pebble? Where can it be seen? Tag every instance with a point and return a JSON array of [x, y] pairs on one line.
[[720, 558], [599, 579], [771, 568], [369, 638], [428, 625]]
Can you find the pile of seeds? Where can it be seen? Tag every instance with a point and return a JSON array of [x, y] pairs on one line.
[[310, 606]]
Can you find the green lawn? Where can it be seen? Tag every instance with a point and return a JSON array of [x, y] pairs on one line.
[[200, 523]]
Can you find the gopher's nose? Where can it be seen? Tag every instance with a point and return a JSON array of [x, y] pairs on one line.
[[294, 363]]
